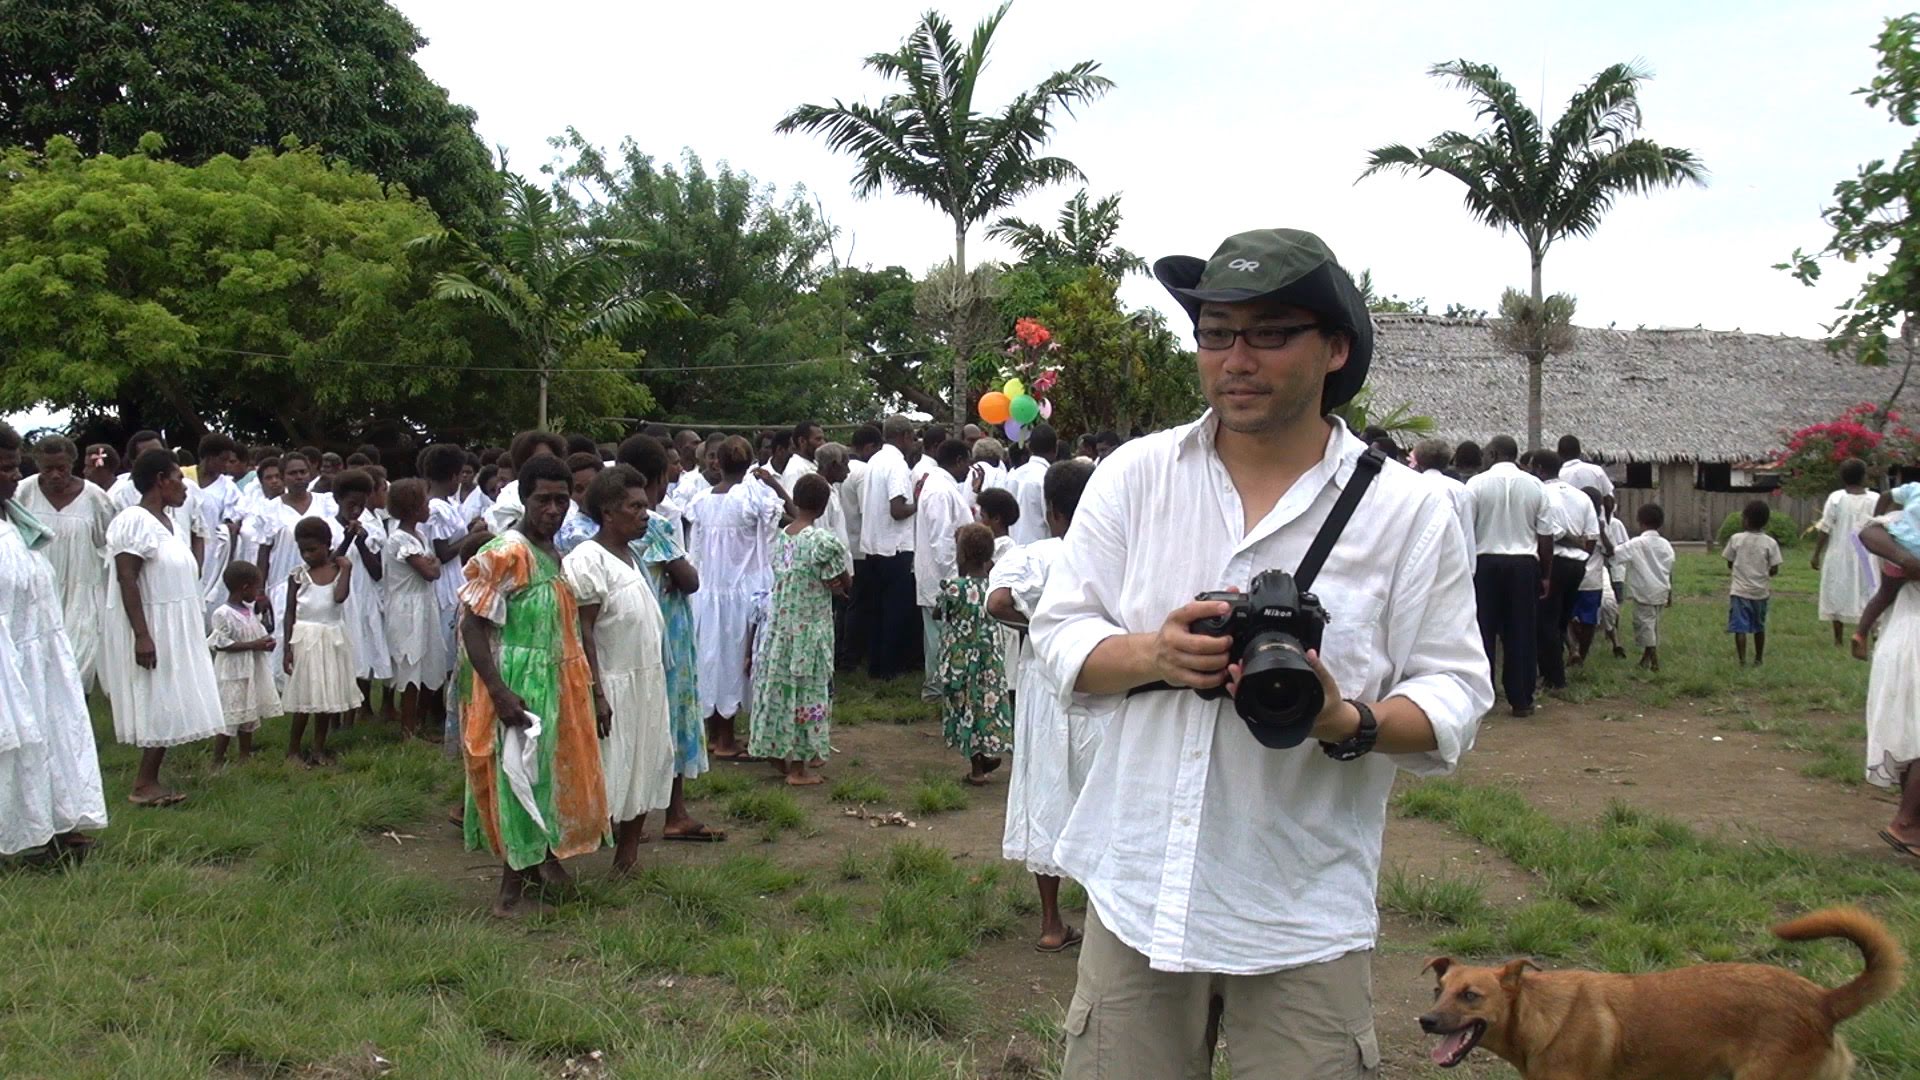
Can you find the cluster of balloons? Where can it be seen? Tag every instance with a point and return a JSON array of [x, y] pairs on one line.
[[1013, 408]]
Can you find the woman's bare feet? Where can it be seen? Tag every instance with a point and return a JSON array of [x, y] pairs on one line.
[[798, 775]]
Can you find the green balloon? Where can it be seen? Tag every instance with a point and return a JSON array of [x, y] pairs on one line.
[[1024, 409]]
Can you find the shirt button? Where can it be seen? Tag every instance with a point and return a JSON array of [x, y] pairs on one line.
[[1185, 820]]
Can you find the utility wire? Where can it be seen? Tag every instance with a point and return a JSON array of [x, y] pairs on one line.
[[640, 370]]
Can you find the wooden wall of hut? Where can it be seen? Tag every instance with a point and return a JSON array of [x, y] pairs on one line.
[[1695, 515]]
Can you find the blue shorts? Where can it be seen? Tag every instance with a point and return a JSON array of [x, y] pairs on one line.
[[1746, 616], [1586, 607]]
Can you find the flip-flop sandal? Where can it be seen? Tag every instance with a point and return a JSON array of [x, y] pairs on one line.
[[972, 781], [703, 836], [1900, 845], [171, 798], [1074, 937]]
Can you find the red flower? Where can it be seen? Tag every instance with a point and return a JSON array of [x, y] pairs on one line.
[[1031, 333], [1046, 380]]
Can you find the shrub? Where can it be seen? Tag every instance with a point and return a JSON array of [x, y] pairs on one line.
[[1781, 527]]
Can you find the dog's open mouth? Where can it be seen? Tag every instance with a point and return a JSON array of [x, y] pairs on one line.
[[1455, 1047]]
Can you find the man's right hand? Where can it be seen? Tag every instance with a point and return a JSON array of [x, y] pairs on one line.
[[1184, 658]]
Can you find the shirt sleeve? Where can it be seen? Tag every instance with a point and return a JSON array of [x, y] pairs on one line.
[[128, 535], [497, 570], [587, 576], [1433, 635], [951, 514], [223, 634], [830, 556], [1080, 606], [899, 483], [1773, 552]]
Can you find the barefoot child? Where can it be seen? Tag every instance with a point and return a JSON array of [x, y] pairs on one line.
[[1754, 558], [410, 580], [319, 659], [356, 538], [793, 663], [242, 661], [1649, 561], [972, 678], [1054, 745]]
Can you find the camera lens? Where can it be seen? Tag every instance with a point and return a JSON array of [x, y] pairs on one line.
[[1278, 690]]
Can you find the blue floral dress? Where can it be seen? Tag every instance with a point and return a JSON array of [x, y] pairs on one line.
[[972, 678], [793, 659], [655, 550]]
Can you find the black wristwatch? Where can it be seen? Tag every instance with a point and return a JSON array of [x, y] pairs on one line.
[[1360, 742]]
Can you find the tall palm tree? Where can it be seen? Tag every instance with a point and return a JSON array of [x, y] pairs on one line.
[[554, 288], [1084, 237], [928, 140], [1546, 184]]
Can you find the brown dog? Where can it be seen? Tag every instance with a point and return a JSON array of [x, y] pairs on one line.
[[1708, 1022]]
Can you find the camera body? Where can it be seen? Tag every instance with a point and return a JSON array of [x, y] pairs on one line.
[[1272, 626]]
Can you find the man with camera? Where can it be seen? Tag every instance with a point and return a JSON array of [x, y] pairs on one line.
[[1232, 859]]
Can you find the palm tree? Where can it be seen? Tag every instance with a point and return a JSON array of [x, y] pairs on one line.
[[1551, 184], [553, 288], [928, 140], [1084, 237]]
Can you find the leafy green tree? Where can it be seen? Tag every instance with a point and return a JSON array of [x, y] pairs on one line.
[[928, 140], [760, 341], [877, 323], [1083, 237], [270, 296], [560, 294], [1873, 215], [224, 76], [1545, 183], [1121, 371], [1393, 305]]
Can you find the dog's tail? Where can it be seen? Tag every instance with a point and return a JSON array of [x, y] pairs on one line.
[[1884, 958]]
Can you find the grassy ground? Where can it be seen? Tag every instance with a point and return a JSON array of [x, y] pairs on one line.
[[267, 928]]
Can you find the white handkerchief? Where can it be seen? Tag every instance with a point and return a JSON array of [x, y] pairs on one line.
[[518, 747]]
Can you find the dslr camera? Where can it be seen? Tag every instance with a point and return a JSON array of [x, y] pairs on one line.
[[1272, 626]]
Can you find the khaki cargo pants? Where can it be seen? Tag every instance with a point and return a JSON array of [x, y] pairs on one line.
[[1128, 1022]]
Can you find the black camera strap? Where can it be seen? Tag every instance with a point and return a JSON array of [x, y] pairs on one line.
[[1364, 471]]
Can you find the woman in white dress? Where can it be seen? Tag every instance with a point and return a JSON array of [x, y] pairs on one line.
[[78, 513], [624, 636], [732, 530], [1893, 693], [357, 538], [1846, 579], [153, 649], [49, 772], [410, 581], [1052, 746]]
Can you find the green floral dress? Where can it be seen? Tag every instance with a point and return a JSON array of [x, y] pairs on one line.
[[793, 658], [972, 678]]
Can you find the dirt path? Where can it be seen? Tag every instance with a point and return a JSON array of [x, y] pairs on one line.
[[1571, 761]]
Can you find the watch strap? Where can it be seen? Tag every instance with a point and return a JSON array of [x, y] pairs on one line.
[[1360, 743]]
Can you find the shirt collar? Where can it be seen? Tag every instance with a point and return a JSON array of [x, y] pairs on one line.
[[1342, 451]]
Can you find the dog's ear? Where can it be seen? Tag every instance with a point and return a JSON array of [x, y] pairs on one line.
[[1439, 965], [1510, 974]]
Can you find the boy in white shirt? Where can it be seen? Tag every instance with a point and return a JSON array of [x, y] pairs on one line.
[[1754, 558], [1649, 562]]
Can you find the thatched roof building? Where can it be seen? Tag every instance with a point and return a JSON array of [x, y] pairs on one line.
[[1646, 396]]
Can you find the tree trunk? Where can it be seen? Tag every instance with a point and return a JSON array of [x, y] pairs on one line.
[[1909, 330], [1535, 359], [542, 423], [960, 348]]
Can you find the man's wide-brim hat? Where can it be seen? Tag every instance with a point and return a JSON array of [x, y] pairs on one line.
[[1280, 265]]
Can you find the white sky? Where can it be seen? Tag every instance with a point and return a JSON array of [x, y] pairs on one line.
[[1238, 114]]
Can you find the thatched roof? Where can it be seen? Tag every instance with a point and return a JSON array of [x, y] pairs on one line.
[[1630, 395]]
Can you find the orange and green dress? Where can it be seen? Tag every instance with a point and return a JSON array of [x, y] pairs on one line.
[[520, 589]]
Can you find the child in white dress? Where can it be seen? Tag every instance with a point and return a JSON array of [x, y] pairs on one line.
[[319, 659], [410, 574], [242, 661], [356, 537]]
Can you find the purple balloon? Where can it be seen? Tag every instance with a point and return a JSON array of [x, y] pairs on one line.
[[1015, 430]]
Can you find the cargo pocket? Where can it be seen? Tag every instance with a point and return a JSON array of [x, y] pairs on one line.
[[1082, 1060], [1368, 1047], [1078, 1012]]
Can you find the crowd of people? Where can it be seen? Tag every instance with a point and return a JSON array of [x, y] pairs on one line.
[[584, 625]]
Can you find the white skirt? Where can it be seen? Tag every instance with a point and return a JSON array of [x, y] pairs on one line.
[[724, 624], [323, 671], [419, 643], [1052, 749], [175, 702], [637, 756], [367, 629], [1893, 692]]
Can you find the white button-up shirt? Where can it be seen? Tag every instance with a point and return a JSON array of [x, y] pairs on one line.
[[887, 478], [1462, 501], [943, 509], [1510, 511], [848, 492], [1585, 474], [1200, 848], [1576, 520], [1028, 484]]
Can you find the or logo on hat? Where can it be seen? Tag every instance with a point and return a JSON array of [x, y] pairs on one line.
[[1244, 264]]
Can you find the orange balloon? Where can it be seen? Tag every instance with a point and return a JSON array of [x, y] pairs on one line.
[[995, 407]]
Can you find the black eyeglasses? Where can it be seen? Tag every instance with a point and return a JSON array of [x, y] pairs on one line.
[[1258, 337]]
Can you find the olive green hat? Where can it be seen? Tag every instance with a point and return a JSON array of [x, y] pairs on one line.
[[1283, 265]]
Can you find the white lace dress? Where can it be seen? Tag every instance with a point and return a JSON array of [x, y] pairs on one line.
[[49, 770], [323, 672], [637, 757], [177, 700], [414, 632], [366, 618], [78, 555], [248, 691]]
